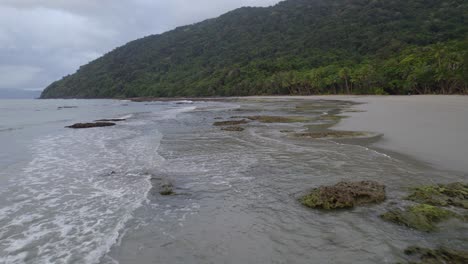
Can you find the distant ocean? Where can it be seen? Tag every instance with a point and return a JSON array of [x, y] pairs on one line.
[[19, 94]]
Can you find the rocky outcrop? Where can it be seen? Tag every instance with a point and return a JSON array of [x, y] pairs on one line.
[[454, 194], [344, 195], [230, 123], [90, 125], [437, 256], [421, 217]]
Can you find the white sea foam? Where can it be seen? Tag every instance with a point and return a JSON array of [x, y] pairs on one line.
[[73, 199]]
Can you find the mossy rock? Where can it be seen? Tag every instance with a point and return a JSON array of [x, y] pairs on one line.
[[166, 189], [330, 118], [421, 217], [437, 256], [279, 119], [230, 123], [455, 194], [344, 195], [329, 134], [233, 129]]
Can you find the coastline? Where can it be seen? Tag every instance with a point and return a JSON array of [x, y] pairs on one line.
[[419, 126], [429, 128]]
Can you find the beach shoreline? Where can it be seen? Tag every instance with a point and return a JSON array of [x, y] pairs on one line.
[[419, 126]]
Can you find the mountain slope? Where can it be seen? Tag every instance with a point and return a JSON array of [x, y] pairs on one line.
[[295, 47]]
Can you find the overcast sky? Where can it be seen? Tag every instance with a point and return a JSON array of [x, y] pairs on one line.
[[43, 40]]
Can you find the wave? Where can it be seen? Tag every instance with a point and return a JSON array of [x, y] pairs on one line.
[[74, 198]]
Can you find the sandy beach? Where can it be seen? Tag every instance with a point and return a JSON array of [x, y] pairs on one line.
[[429, 128]]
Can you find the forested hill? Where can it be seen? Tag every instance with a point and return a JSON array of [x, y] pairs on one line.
[[295, 47]]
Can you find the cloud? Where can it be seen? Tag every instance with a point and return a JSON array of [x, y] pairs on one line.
[[43, 40], [12, 76]]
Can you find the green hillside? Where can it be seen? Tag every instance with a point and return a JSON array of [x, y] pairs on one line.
[[295, 47]]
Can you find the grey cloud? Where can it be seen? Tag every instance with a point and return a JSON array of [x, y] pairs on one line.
[[43, 40]]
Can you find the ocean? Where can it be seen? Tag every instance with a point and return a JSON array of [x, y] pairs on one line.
[[91, 195]]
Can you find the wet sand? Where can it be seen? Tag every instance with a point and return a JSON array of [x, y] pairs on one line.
[[429, 128]]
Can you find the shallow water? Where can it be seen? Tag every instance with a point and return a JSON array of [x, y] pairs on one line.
[[85, 196]]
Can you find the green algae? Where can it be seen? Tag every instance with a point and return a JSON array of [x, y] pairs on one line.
[[330, 118], [455, 194], [344, 195], [329, 134], [437, 256], [230, 123], [278, 119], [423, 217]]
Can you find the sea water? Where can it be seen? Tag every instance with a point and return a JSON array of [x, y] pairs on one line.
[[90, 195]]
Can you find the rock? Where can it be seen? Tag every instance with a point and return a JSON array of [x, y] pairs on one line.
[[111, 120], [166, 188], [437, 256], [277, 119], [90, 125], [455, 194], [344, 195], [421, 217], [233, 128], [66, 107], [329, 134], [230, 123]]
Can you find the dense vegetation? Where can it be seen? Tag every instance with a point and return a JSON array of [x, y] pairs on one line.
[[295, 47]]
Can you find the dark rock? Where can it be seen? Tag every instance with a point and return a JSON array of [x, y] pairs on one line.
[[344, 195], [166, 188], [90, 125], [230, 123], [66, 107], [233, 129], [437, 256]]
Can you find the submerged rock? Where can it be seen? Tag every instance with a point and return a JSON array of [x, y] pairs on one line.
[[278, 119], [422, 217], [437, 256], [90, 125], [233, 128], [66, 107], [329, 134], [166, 188], [230, 123], [344, 195], [455, 194]]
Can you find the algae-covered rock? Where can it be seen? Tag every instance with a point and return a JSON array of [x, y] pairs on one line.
[[230, 123], [422, 217], [166, 188], [455, 194], [233, 129], [329, 134], [278, 119], [344, 195], [437, 256]]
